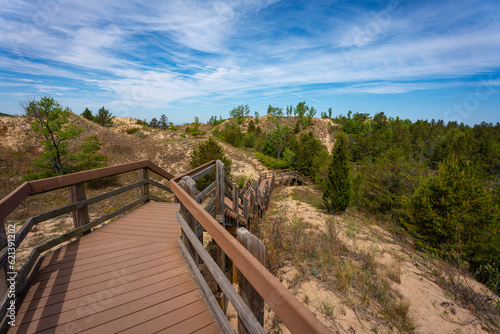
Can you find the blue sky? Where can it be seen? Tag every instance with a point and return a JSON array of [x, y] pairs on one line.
[[186, 58]]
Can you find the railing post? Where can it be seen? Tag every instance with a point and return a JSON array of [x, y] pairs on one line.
[[220, 194], [252, 203], [3, 271], [143, 175], [80, 216], [249, 295], [189, 186], [236, 202], [245, 210]]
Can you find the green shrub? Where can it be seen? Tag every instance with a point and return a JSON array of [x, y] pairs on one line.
[[131, 130], [143, 123], [380, 185], [454, 214], [231, 134], [207, 151]]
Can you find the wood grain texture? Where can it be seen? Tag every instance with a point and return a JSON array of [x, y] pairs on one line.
[[127, 276]]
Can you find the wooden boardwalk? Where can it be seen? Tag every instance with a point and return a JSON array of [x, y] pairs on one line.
[[126, 277]]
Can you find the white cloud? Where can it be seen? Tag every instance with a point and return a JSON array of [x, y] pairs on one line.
[[155, 53]]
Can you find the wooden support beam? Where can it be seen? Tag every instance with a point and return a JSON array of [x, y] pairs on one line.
[[246, 210], [220, 192], [189, 186], [219, 316], [143, 175], [235, 300], [77, 194], [236, 201], [3, 269], [249, 295]]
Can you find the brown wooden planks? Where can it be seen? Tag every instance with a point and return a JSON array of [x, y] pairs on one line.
[[125, 276]]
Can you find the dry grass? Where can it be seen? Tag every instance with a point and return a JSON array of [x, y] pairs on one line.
[[322, 253], [483, 304]]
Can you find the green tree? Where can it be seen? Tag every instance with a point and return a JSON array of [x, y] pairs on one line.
[[87, 155], [104, 118], [239, 112], [310, 114], [381, 184], [306, 149], [214, 121], [207, 151], [280, 133], [153, 123], [454, 213], [195, 131], [301, 109], [337, 193], [87, 114], [49, 120], [163, 122]]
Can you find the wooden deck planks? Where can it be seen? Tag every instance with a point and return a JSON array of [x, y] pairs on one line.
[[127, 276]]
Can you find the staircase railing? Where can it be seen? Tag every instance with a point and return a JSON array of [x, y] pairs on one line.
[[194, 218]]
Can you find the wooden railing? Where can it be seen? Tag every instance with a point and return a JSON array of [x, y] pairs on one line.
[[213, 209], [287, 175], [78, 207], [194, 218]]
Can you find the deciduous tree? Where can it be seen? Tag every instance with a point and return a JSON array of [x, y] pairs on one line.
[[49, 120], [239, 112]]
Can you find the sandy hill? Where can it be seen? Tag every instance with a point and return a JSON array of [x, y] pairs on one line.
[[353, 272]]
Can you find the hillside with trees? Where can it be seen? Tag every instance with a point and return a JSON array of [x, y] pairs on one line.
[[432, 186]]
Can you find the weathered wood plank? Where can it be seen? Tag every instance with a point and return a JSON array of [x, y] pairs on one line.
[[205, 192], [159, 185], [142, 174], [204, 289], [239, 305], [247, 292], [202, 173], [81, 215], [10, 202]]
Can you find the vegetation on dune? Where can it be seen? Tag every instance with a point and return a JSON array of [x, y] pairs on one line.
[[435, 182], [454, 214], [207, 151], [337, 193], [104, 118], [391, 161], [50, 121]]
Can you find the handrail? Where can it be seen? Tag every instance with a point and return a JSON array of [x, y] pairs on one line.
[[15, 198], [291, 312]]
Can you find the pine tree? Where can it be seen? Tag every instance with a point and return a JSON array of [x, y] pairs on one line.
[[337, 194], [104, 118], [87, 155], [207, 151], [87, 114], [154, 123], [454, 213], [163, 122]]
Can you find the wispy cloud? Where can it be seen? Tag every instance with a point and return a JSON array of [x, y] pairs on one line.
[[154, 54]]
